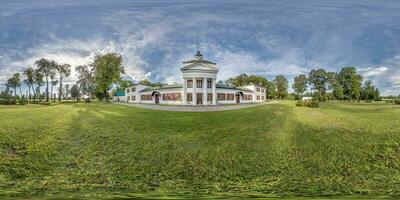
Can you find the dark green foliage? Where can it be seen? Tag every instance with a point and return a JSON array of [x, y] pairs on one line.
[[300, 84], [281, 86], [397, 101], [244, 79], [107, 71], [318, 79]]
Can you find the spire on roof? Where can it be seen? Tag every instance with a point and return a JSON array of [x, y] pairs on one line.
[[199, 56]]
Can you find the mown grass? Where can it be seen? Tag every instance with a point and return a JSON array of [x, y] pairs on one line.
[[272, 150]]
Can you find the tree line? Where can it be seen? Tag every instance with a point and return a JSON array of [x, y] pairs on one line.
[[93, 80], [322, 85]]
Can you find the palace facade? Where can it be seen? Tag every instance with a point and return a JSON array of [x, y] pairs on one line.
[[199, 88]]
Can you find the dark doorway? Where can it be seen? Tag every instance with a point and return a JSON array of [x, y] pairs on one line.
[[199, 98], [157, 98], [238, 98]]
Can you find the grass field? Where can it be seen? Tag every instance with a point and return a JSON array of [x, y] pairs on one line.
[[100, 150]]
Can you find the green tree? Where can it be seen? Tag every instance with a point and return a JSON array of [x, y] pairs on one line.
[[270, 91], [53, 82], [29, 81], [377, 94], [63, 72], [368, 91], [46, 67], [107, 71], [318, 79], [334, 85], [244, 79], [75, 92], [85, 79], [281, 85], [351, 82], [38, 77], [300, 84], [14, 82], [122, 84]]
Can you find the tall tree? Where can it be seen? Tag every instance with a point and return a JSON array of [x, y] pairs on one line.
[[300, 84], [351, 82], [63, 71], [52, 82], [14, 82], [377, 95], [85, 79], [46, 67], [38, 80], [107, 71], [281, 85], [29, 81], [75, 92], [368, 91], [270, 91], [318, 79]]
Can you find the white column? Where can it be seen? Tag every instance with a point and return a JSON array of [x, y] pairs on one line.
[[205, 91], [214, 93], [194, 95], [184, 92]]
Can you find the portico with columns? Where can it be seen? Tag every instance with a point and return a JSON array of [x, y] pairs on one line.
[[199, 81]]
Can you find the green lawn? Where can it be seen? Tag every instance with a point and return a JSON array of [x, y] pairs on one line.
[[271, 150]]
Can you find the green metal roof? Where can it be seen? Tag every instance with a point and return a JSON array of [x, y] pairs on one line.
[[119, 93]]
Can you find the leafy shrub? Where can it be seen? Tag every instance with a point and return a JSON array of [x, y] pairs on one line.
[[397, 101], [312, 103], [87, 100]]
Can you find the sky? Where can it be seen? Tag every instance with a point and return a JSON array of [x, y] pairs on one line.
[[265, 38]]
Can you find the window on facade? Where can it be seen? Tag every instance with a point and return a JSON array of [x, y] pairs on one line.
[[262, 90], [247, 97], [262, 98], [258, 89], [189, 97], [147, 97], [209, 96], [128, 98], [127, 90], [134, 89], [258, 97], [209, 84], [230, 97], [133, 98], [189, 83], [221, 96], [199, 84], [171, 96]]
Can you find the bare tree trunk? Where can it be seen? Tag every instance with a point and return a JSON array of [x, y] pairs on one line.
[[51, 93], [60, 89], [47, 89]]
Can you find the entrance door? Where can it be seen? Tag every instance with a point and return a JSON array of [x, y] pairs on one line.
[[199, 98], [157, 98], [237, 98]]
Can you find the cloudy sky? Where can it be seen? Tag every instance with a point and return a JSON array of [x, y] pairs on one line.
[[266, 38]]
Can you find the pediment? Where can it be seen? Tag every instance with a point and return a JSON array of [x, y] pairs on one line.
[[199, 67]]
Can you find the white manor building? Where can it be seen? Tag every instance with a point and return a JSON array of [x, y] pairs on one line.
[[199, 88]]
